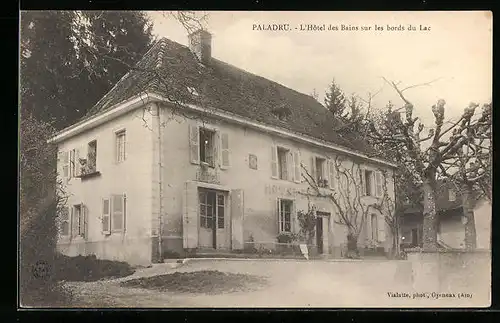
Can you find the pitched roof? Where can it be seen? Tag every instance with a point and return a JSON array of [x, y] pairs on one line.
[[172, 70], [443, 202]]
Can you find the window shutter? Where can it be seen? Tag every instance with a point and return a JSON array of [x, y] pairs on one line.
[[194, 144], [65, 165], [106, 223], [290, 165], [296, 160], [117, 212], [224, 144], [85, 220], [190, 216], [78, 165], [274, 161], [331, 171], [378, 184], [363, 182], [313, 168]]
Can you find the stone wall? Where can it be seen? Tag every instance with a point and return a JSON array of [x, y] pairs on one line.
[[453, 272]]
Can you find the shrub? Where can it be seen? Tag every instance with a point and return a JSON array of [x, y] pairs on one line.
[[89, 268]]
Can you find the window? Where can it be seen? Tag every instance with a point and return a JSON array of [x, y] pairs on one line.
[[320, 169], [207, 147], [285, 215], [282, 163], [92, 157], [212, 209], [368, 182], [79, 220], [64, 222], [374, 224], [63, 164], [118, 213], [120, 146], [452, 196]]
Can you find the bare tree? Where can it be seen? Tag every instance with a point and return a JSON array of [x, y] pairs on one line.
[[470, 171], [427, 162], [352, 207]]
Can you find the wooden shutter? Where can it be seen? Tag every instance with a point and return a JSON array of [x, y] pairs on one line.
[[363, 182], [274, 162], [65, 165], [194, 144], [290, 166], [331, 172], [378, 184], [117, 208], [237, 218], [313, 168], [190, 216], [106, 221], [224, 144], [85, 220], [78, 165], [296, 160]]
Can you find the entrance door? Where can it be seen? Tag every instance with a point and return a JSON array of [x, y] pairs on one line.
[[414, 237], [319, 234], [212, 233]]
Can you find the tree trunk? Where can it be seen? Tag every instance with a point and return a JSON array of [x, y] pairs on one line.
[[352, 245], [430, 214], [470, 224]]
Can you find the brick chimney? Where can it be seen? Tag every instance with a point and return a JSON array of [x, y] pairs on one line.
[[200, 43]]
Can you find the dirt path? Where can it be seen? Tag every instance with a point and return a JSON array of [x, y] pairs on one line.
[[290, 284]]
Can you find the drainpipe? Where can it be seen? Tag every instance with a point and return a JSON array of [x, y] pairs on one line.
[[160, 182]]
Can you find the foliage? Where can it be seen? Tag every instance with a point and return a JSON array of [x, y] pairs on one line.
[[335, 101], [307, 224], [444, 142], [347, 199], [61, 88], [287, 237], [88, 268]]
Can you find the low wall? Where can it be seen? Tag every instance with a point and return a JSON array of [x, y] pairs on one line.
[[453, 272], [135, 251]]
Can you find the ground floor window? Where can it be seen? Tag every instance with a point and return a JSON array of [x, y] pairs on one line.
[[285, 215], [212, 209]]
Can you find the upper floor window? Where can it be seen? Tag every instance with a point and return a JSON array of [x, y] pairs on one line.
[[368, 182], [283, 163], [320, 169], [207, 146], [120, 146], [92, 156], [452, 195]]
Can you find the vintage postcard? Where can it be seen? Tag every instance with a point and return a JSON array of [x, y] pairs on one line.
[[255, 159]]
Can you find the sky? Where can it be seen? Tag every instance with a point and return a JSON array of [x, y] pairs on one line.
[[455, 54]]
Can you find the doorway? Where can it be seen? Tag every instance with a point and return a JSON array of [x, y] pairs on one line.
[[319, 233], [414, 237], [212, 213]]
